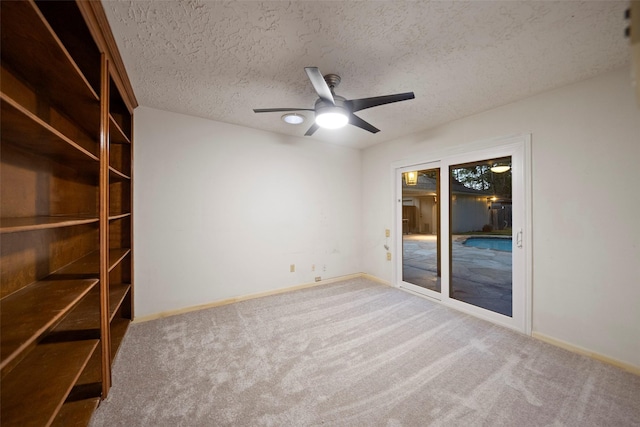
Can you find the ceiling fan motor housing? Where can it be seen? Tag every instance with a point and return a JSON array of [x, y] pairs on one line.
[[339, 103]]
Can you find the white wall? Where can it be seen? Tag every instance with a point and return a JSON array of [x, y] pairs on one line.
[[586, 206], [222, 211]]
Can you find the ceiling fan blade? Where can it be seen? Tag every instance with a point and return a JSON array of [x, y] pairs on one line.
[[314, 127], [319, 84], [358, 122], [361, 104], [275, 110]]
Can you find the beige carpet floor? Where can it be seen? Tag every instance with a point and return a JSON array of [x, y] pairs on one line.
[[355, 353]]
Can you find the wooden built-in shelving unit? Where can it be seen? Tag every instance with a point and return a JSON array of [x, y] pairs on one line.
[[66, 294]]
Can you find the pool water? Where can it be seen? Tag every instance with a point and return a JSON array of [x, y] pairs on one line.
[[495, 243]]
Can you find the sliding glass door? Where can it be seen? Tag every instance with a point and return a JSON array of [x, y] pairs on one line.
[[421, 263], [480, 234], [463, 219]]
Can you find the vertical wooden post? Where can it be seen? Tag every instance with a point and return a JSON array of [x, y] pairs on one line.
[[132, 210], [104, 226]]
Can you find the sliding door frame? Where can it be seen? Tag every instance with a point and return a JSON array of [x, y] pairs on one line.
[[517, 146]]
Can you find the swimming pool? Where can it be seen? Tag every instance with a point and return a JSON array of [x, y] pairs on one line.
[[495, 243]]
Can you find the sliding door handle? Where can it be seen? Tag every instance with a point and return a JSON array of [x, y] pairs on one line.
[[519, 238]]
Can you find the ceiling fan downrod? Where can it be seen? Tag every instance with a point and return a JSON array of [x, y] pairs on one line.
[[333, 80]]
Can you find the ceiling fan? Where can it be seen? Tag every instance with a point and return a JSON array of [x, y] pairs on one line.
[[333, 111]]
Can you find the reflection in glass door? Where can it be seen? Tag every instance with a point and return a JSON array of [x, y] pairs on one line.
[[480, 200], [421, 228]]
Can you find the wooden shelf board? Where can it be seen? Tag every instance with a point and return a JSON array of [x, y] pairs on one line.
[[119, 327], [76, 414], [116, 256], [89, 265], [86, 267], [120, 216], [77, 39], [14, 225], [24, 129], [34, 391], [114, 173], [84, 318], [116, 133], [117, 293], [27, 314], [86, 315], [26, 35], [92, 372]]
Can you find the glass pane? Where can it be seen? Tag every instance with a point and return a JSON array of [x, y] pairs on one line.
[[421, 228], [481, 257]]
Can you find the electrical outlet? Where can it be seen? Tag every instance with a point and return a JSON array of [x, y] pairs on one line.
[[388, 256], [292, 268], [387, 233], [313, 267], [324, 268], [318, 278]]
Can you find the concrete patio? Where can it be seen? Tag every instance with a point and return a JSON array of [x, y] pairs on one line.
[[481, 277]]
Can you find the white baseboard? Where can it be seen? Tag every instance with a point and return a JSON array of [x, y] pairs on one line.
[[248, 297], [577, 349], [376, 279]]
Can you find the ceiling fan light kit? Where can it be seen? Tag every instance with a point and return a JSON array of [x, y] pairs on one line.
[[332, 111], [331, 119]]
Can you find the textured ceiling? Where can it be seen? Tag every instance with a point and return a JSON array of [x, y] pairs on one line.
[[219, 60]]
